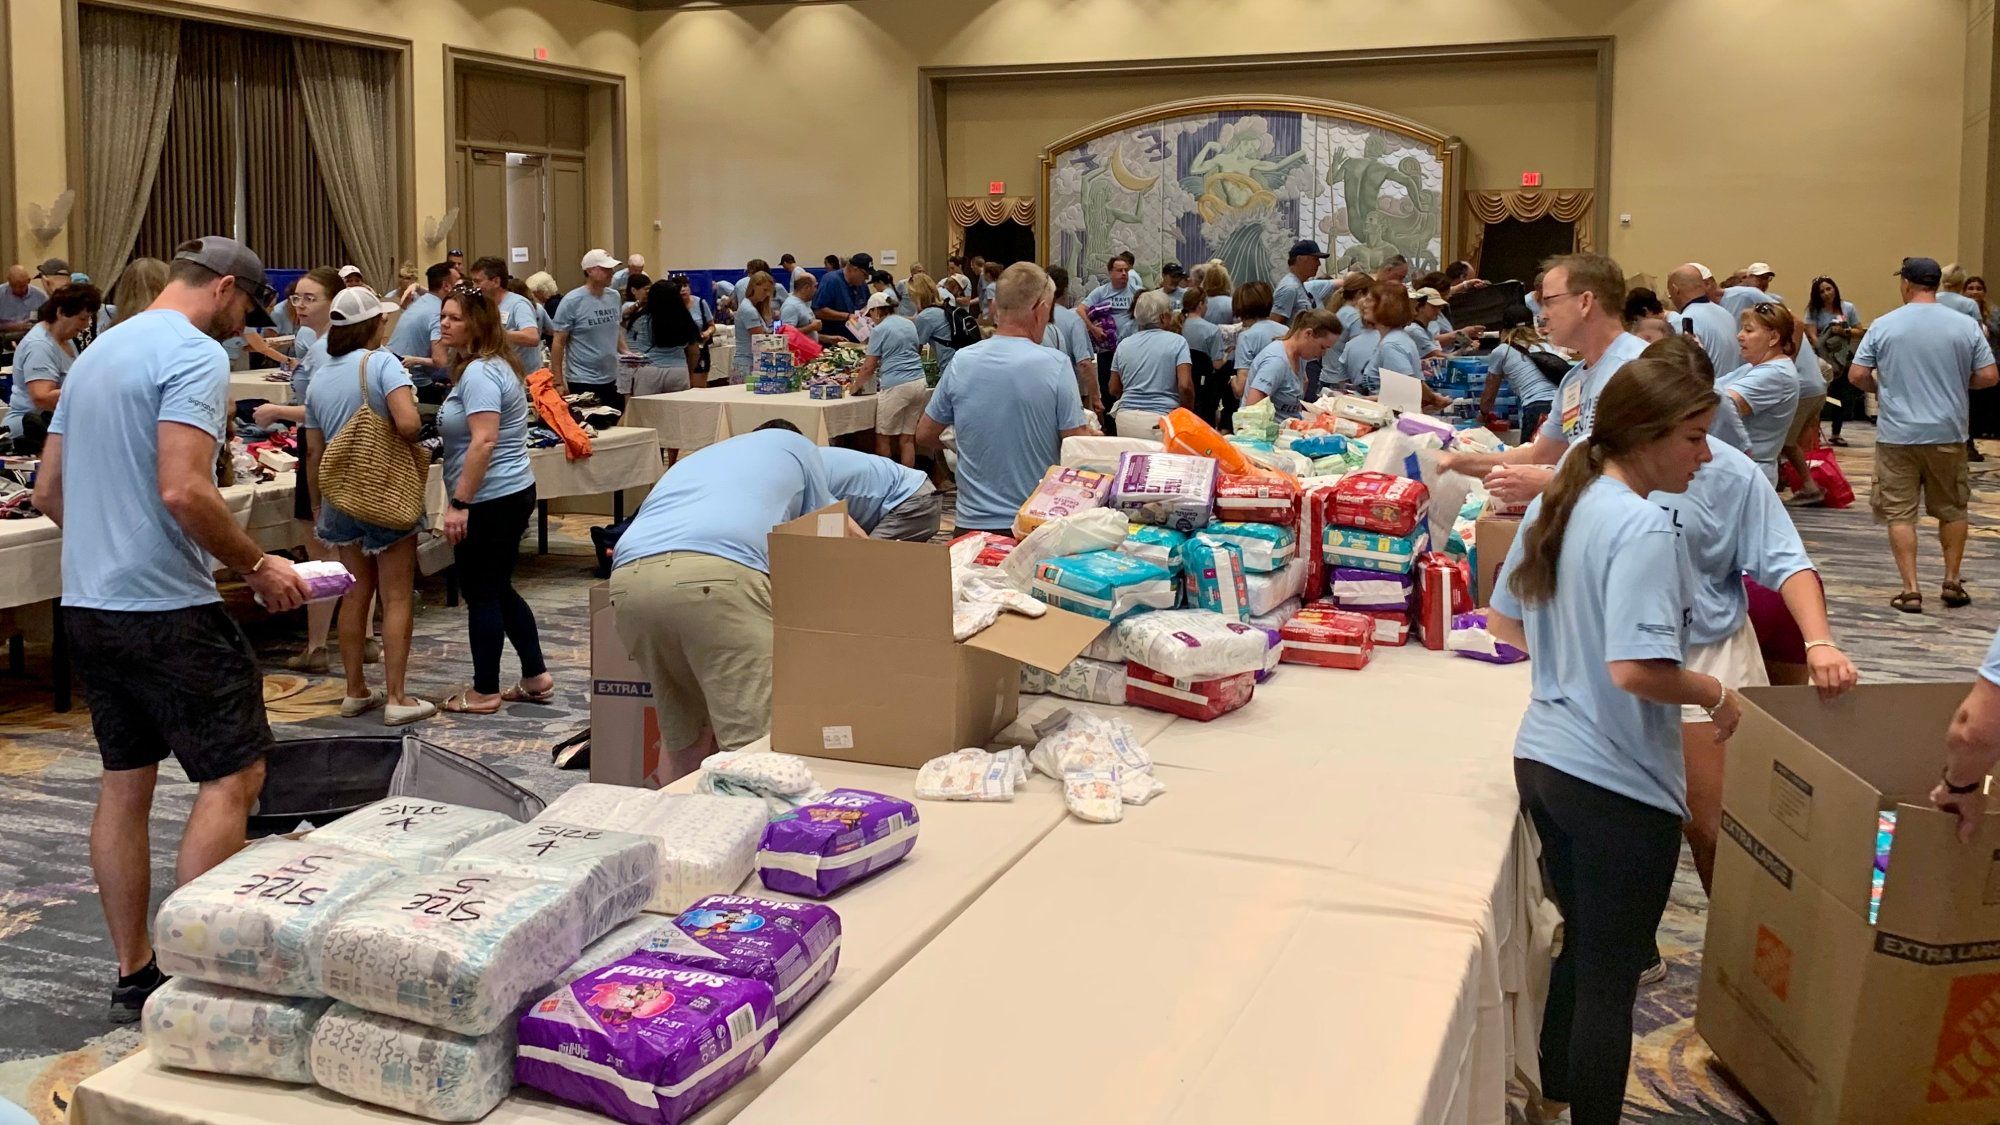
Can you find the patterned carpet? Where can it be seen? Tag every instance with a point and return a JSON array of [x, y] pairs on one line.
[[54, 957]]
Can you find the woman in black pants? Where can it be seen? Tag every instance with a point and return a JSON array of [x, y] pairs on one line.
[[491, 487], [1597, 588]]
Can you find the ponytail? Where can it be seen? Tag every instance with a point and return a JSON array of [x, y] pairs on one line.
[[1534, 581]]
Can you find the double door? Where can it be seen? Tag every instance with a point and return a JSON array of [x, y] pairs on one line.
[[528, 209]]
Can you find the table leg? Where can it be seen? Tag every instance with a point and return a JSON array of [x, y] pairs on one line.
[[17, 653], [542, 527], [59, 660], [451, 586], [618, 506]]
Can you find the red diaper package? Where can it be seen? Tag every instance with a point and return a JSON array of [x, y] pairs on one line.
[[1329, 639], [1444, 590], [996, 549], [1315, 516], [1201, 700], [1257, 498], [1392, 627], [1381, 503]]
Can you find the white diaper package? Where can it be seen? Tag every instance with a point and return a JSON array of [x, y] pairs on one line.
[[621, 942], [782, 781], [389, 1062], [708, 844], [197, 1026], [415, 834], [1111, 585], [1194, 644], [607, 806], [969, 775], [1273, 621], [257, 919], [1092, 681], [1101, 453], [1267, 591], [454, 950], [1106, 647], [616, 871]]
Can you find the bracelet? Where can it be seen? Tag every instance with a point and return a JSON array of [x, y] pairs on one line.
[[1720, 699], [1811, 645], [1944, 776]]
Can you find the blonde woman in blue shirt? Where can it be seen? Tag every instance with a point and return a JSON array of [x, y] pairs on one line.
[[1598, 590]]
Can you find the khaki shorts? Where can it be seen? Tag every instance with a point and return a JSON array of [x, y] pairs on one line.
[[1736, 660], [1806, 420], [700, 628], [1940, 472], [898, 409]]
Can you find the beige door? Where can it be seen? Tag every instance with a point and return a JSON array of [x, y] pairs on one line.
[[527, 215], [568, 218], [483, 220]]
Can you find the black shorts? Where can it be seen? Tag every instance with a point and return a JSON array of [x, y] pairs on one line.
[[181, 681]]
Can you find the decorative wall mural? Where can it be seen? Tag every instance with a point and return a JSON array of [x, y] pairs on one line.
[[1241, 179]]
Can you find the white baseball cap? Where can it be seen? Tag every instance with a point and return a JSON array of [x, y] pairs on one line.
[[1428, 296], [1759, 269], [1705, 275], [599, 260], [886, 299], [350, 271], [354, 305]]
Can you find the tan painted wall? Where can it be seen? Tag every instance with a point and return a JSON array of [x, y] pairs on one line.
[[794, 128], [581, 33]]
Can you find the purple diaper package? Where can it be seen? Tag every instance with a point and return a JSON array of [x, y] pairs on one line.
[[646, 1042], [791, 946], [1469, 638], [1371, 591], [850, 834]]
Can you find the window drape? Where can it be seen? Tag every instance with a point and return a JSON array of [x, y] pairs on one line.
[[194, 193], [348, 95], [130, 62], [288, 218]]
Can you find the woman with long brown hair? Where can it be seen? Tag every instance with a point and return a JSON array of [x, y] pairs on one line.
[[1598, 590], [491, 486]]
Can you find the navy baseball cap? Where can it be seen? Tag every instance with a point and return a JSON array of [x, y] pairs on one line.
[[1922, 271], [1302, 248]]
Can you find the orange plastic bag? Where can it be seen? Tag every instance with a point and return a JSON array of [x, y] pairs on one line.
[[548, 403], [1183, 432]]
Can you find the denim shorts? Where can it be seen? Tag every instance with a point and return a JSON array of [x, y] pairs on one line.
[[338, 529]]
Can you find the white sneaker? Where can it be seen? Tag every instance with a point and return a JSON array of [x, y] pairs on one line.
[[353, 708], [417, 712]]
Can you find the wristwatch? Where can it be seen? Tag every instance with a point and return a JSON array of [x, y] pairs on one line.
[[1944, 776], [460, 505]]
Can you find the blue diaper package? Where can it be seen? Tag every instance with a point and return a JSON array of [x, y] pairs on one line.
[[1368, 550], [1160, 546], [1214, 578], [1111, 585], [1265, 546]]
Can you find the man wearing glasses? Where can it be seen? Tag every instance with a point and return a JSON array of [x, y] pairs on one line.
[[1583, 297], [166, 671]]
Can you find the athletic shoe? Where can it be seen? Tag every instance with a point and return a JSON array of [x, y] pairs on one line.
[[128, 996]]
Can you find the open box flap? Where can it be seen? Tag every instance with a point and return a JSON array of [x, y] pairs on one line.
[[825, 582], [1049, 642]]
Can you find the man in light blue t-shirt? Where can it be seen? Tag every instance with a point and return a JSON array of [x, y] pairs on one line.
[[1117, 295], [165, 670], [1714, 326], [1920, 360], [517, 313], [414, 340], [1011, 402], [1289, 297], [585, 353], [887, 500]]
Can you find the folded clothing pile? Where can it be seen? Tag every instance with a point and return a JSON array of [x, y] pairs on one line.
[[835, 842], [1160, 546], [1084, 679], [1469, 638], [1168, 489], [1111, 585], [417, 835], [972, 775], [1063, 491], [781, 781], [1329, 639], [793, 947], [1213, 578], [1265, 546], [1099, 762]]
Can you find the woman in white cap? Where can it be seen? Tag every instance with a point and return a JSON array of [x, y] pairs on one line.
[[383, 560], [896, 367]]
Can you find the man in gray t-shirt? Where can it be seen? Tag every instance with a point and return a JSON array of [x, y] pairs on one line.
[[1920, 361]]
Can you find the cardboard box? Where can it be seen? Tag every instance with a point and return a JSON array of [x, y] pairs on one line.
[[624, 726], [1492, 538], [1821, 1015], [864, 667]]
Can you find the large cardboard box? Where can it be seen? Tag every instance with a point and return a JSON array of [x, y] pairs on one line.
[[1821, 1015], [864, 667], [1492, 538], [624, 725]]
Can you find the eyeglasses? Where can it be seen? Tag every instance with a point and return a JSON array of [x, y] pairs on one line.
[[1550, 298]]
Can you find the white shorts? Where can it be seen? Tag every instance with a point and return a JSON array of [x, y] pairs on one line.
[[1735, 660], [898, 409], [1138, 423]]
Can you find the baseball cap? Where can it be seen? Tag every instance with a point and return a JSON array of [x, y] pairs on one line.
[[1759, 269], [599, 260], [229, 258], [1921, 271], [1429, 296], [356, 304], [53, 267], [350, 271], [1172, 269], [1705, 274], [884, 300], [454, 253], [1305, 247], [864, 261]]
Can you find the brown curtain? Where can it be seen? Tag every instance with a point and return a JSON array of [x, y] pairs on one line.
[[129, 61], [349, 99], [195, 191], [992, 210], [1569, 206], [289, 220]]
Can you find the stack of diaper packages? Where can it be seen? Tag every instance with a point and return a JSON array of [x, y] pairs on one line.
[[1378, 523], [1192, 662], [1174, 490], [1099, 763], [1384, 598]]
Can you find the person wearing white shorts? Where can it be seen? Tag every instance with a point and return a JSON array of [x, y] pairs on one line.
[[1152, 371], [895, 366]]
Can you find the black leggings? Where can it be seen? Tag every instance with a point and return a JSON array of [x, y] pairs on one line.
[[1609, 861], [493, 610]]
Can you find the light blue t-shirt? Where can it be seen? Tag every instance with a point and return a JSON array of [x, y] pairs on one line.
[[1015, 399], [1959, 303], [1822, 318], [933, 327], [872, 486], [905, 304], [1990, 667], [893, 343], [1205, 338], [639, 336], [336, 394], [486, 386], [1924, 356], [590, 354], [1289, 298], [23, 307], [1771, 389], [1350, 327], [307, 350], [1367, 354], [1714, 330], [518, 312], [748, 323], [417, 327], [796, 313], [1147, 365], [1420, 339], [121, 548], [1119, 301], [1318, 289], [1731, 526], [725, 499], [1526, 380], [1739, 298], [1220, 309], [1068, 334], [1282, 383], [1811, 383], [38, 358], [1728, 426], [1624, 592], [1251, 342], [1576, 396]]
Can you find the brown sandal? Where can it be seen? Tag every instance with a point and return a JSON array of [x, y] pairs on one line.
[[457, 704], [1909, 601], [1955, 596]]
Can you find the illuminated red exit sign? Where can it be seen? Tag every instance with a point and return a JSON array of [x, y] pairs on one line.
[[996, 187], [1531, 179]]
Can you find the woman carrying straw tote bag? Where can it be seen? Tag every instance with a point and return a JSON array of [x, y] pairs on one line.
[[368, 482]]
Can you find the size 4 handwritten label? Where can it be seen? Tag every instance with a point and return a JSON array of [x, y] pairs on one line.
[[550, 836], [404, 817]]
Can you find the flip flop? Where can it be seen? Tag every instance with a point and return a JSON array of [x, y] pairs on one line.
[[1955, 596], [1909, 601], [519, 694], [456, 704]]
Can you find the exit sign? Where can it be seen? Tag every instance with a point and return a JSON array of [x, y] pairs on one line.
[[1531, 179], [996, 187], [541, 54]]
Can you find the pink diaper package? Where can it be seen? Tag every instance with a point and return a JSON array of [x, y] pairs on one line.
[[791, 946]]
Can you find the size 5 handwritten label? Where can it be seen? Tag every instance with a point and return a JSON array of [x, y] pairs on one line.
[[458, 902]]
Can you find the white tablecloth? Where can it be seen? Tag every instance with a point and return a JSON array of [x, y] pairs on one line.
[[692, 419], [246, 385], [31, 552], [621, 457]]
